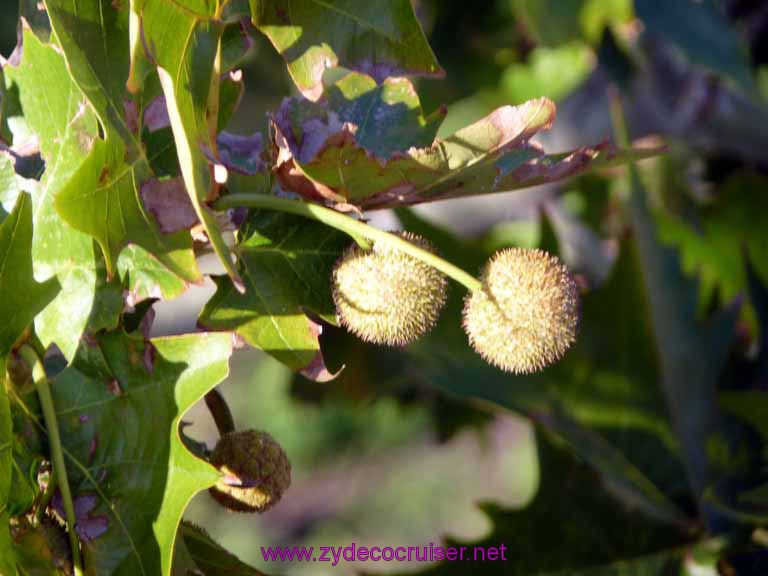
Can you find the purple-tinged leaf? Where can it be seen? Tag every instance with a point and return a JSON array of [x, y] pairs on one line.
[[242, 154], [169, 203], [369, 145], [317, 370], [320, 154], [156, 115]]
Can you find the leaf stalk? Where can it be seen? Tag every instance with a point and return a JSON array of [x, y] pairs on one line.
[[42, 385], [348, 225], [219, 409]]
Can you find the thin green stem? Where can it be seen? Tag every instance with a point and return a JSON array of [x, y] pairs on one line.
[[350, 226], [54, 442], [214, 94]]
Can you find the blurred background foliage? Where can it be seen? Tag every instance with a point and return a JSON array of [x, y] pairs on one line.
[[643, 451]]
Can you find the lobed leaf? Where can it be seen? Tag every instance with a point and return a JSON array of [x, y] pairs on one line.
[[600, 398], [381, 39], [207, 556], [22, 299], [119, 405], [368, 145], [692, 353], [723, 233], [65, 128], [286, 262], [103, 198], [702, 32], [599, 530], [184, 42]]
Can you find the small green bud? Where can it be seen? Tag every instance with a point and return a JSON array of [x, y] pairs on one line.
[[385, 296], [526, 314], [256, 471]]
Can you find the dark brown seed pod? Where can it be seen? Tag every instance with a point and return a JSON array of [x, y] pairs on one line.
[[256, 471]]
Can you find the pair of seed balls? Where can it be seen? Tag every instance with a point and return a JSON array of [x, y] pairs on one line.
[[524, 317]]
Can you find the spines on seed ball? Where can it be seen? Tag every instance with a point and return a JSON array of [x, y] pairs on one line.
[[386, 296], [526, 314]]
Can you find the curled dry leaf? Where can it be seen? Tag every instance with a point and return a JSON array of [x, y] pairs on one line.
[[370, 145]]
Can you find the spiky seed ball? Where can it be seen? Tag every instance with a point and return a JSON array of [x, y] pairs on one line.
[[385, 296], [256, 471], [526, 315]]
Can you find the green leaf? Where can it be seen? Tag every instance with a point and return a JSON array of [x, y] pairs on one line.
[[208, 556], [66, 129], [751, 406], [185, 43], [147, 278], [119, 405], [20, 299], [9, 188], [702, 33], [103, 198], [692, 353], [7, 558], [713, 246], [380, 39], [286, 262], [322, 142], [743, 494], [4, 130], [25, 487], [555, 22], [597, 15], [322, 156], [388, 116], [601, 398], [551, 22], [94, 37], [550, 72], [599, 530]]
